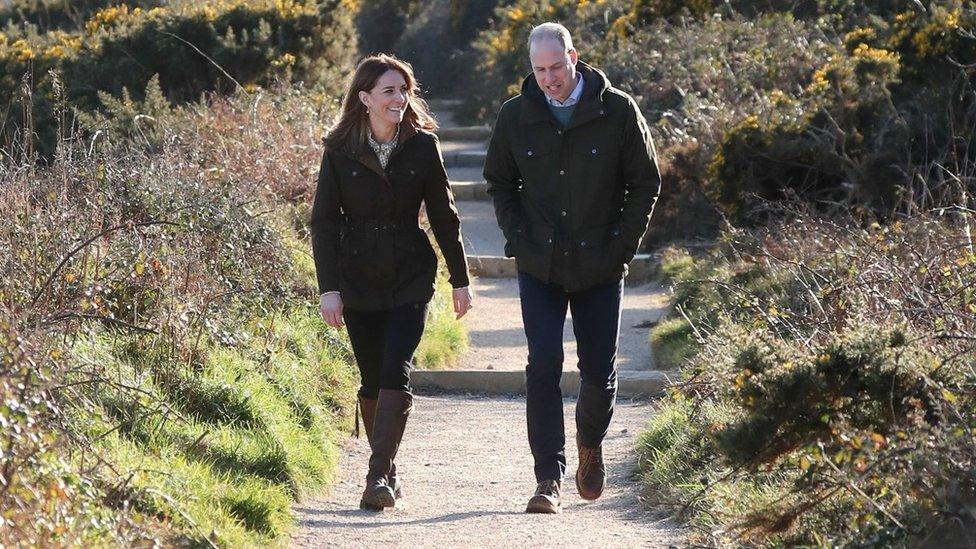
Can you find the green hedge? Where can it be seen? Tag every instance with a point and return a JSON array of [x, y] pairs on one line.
[[192, 48]]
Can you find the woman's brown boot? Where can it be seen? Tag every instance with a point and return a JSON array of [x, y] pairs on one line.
[[392, 410], [368, 408]]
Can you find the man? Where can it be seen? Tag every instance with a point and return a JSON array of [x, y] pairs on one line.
[[572, 172]]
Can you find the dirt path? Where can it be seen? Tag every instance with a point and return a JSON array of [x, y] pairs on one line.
[[468, 473]]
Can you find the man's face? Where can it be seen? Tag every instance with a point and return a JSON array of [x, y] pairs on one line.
[[554, 68]]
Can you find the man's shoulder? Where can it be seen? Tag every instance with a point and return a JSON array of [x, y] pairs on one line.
[[511, 107], [617, 98]]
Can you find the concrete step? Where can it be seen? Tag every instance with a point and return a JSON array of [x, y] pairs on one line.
[[470, 154], [470, 190], [644, 267], [465, 158], [465, 133], [468, 174], [491, 266], [630, 383]]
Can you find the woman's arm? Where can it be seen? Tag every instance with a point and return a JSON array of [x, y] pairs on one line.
[[324, 226]]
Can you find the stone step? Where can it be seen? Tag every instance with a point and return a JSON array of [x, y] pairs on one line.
[[470, 190], [465, 133], [466, 174], [630, 383], [491, 266], [465, 158], [644, 267]]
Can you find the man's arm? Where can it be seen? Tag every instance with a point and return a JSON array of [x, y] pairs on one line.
[[502, 175], [642, 180]]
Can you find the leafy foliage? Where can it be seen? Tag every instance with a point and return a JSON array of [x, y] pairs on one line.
[[831, 400], [188, 48]]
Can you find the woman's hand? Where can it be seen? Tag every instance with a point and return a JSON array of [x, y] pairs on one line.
[[462, 301], [330, 306]]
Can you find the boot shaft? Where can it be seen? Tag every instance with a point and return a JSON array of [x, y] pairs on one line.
[[392, 410]]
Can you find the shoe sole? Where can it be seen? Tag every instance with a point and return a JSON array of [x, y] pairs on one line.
[[588, 496], [379, 502], [542, 507]]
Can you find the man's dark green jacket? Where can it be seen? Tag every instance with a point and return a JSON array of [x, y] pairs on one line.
[[573, 202]]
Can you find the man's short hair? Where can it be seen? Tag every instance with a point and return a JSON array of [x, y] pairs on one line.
[[551, 31]]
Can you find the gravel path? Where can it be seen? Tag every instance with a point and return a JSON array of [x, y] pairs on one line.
[[467, 471]]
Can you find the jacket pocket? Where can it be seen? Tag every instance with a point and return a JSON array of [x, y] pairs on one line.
[[360, 261], [533, 249], [599, 254], [535, 160]]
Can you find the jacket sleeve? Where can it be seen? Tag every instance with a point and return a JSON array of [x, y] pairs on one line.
[[324, 226], [444, 219], [504, 182], [642, 180]]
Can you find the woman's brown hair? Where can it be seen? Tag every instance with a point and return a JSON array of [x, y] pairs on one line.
[[351, 128]]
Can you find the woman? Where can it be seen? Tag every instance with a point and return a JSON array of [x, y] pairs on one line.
[[374, 264]]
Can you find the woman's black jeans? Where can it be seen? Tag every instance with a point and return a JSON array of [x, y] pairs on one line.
[[384, 343]]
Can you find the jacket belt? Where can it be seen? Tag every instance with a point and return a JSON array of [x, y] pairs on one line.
[[381, 224]]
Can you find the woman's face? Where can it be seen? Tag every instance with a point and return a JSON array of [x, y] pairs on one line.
[[387, 101]]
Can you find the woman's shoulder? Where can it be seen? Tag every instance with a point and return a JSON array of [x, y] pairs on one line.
[[426, 136]]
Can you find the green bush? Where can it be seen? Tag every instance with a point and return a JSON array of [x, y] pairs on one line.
[[831, 401], [191, 49], [48, 15], [854, 136]]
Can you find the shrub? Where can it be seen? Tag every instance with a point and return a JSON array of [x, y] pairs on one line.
[[834, 377], [190, 49], [871, 126]]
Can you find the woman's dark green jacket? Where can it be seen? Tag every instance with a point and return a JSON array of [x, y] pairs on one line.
[[366, 238]]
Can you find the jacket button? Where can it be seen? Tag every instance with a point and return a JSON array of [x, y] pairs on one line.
[[530, 153], [601, 112], [562, 172], [566, 252], [355, 173], [593, 151], [560, 132], [583, 243], [412, 172], [563, 213], [550, 241], [616, 232]]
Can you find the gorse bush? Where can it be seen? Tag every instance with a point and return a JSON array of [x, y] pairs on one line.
[[48, 15], [831, 400], [190, 48]]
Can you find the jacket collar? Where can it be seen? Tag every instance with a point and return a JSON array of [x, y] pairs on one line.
[[535, 108], [367, 157]]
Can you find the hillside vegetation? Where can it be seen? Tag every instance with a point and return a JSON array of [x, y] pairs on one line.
[[165, 375]]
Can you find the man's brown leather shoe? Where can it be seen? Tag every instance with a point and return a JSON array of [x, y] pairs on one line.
[[591, 476], [546, 498]]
